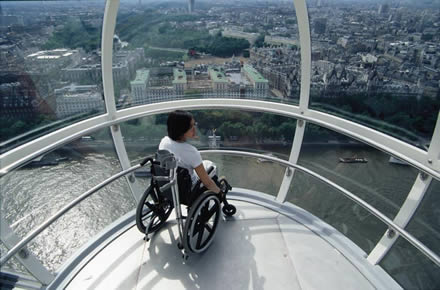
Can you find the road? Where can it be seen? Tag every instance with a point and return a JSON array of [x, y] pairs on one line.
[[169, 49]]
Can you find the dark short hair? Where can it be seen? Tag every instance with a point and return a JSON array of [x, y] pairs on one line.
[[178, 123]]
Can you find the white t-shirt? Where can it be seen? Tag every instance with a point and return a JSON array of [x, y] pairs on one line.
[[186, 154]]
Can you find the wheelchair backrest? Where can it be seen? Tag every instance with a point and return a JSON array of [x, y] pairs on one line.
[[184, 183]]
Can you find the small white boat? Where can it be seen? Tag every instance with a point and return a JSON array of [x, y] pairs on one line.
[[398, 161], [264, 160]]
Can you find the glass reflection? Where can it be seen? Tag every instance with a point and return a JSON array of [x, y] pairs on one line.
[[249, 173], [425, 225], [50, 67], [410, 268], [228, 130], [372, 175], [213, 50], [249, 131], [334, 208], [375, 63], [405, 263], [368, 173]]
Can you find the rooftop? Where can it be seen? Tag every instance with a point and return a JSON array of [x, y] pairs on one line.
[[52, 54], [254, 74], [142, 76], [217, 76], [179, 76]]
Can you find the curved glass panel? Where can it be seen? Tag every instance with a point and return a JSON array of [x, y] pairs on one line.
[[425, 225], [410, 268], [209, 50], [334, 208], [33, 193], [249, 173], [50, 67], [376, 64], [216, 129], [368, 173], [224, 129], [404, 262], [376, 177]]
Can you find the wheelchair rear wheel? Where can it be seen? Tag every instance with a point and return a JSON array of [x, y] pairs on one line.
[[201, 223], [152, 210]]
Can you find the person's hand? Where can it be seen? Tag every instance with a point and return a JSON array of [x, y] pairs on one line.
[[222, 194]]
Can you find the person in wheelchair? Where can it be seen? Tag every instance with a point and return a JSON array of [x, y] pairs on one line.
[[198, 188], [181, 127]]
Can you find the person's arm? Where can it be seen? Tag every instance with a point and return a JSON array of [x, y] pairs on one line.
[[206, 180]]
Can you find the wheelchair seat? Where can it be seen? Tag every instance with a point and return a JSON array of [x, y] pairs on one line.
[[187, 192]]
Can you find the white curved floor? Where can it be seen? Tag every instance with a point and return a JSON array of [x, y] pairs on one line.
[[257, 249]]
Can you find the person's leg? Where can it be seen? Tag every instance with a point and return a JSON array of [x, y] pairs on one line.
[[195, 192]]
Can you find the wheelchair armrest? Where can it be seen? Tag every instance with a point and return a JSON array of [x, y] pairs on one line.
[[210, 169]]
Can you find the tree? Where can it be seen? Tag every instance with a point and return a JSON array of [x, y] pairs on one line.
[[260, 41], [287, 130]]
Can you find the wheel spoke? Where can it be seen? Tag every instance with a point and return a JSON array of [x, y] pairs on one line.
[[208, 228], [146, 216], [205, 209], [160, 212], [199, 239], [211, 212], [149, 205], [198, 226], [155, 221]]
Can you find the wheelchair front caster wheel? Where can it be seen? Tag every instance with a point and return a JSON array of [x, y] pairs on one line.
[[229, 210], [180, 246]]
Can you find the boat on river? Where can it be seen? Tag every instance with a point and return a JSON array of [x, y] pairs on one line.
[[353, 160], [397, 161], [264, 160]]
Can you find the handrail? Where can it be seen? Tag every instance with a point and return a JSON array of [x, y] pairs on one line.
[[407, 236], [408, 153], [29, 237]]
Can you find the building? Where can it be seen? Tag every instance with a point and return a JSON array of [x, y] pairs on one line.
[[319, 25], [384, 9], [179, 82], [219, 81], [20, 99], [278, 40], [139, 85], [190, 6], [158, 84], [82, 74], [125, 63], [73, 100], [259, 83]]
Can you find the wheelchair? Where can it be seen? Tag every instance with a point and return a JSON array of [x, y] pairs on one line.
[[171, 187]]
